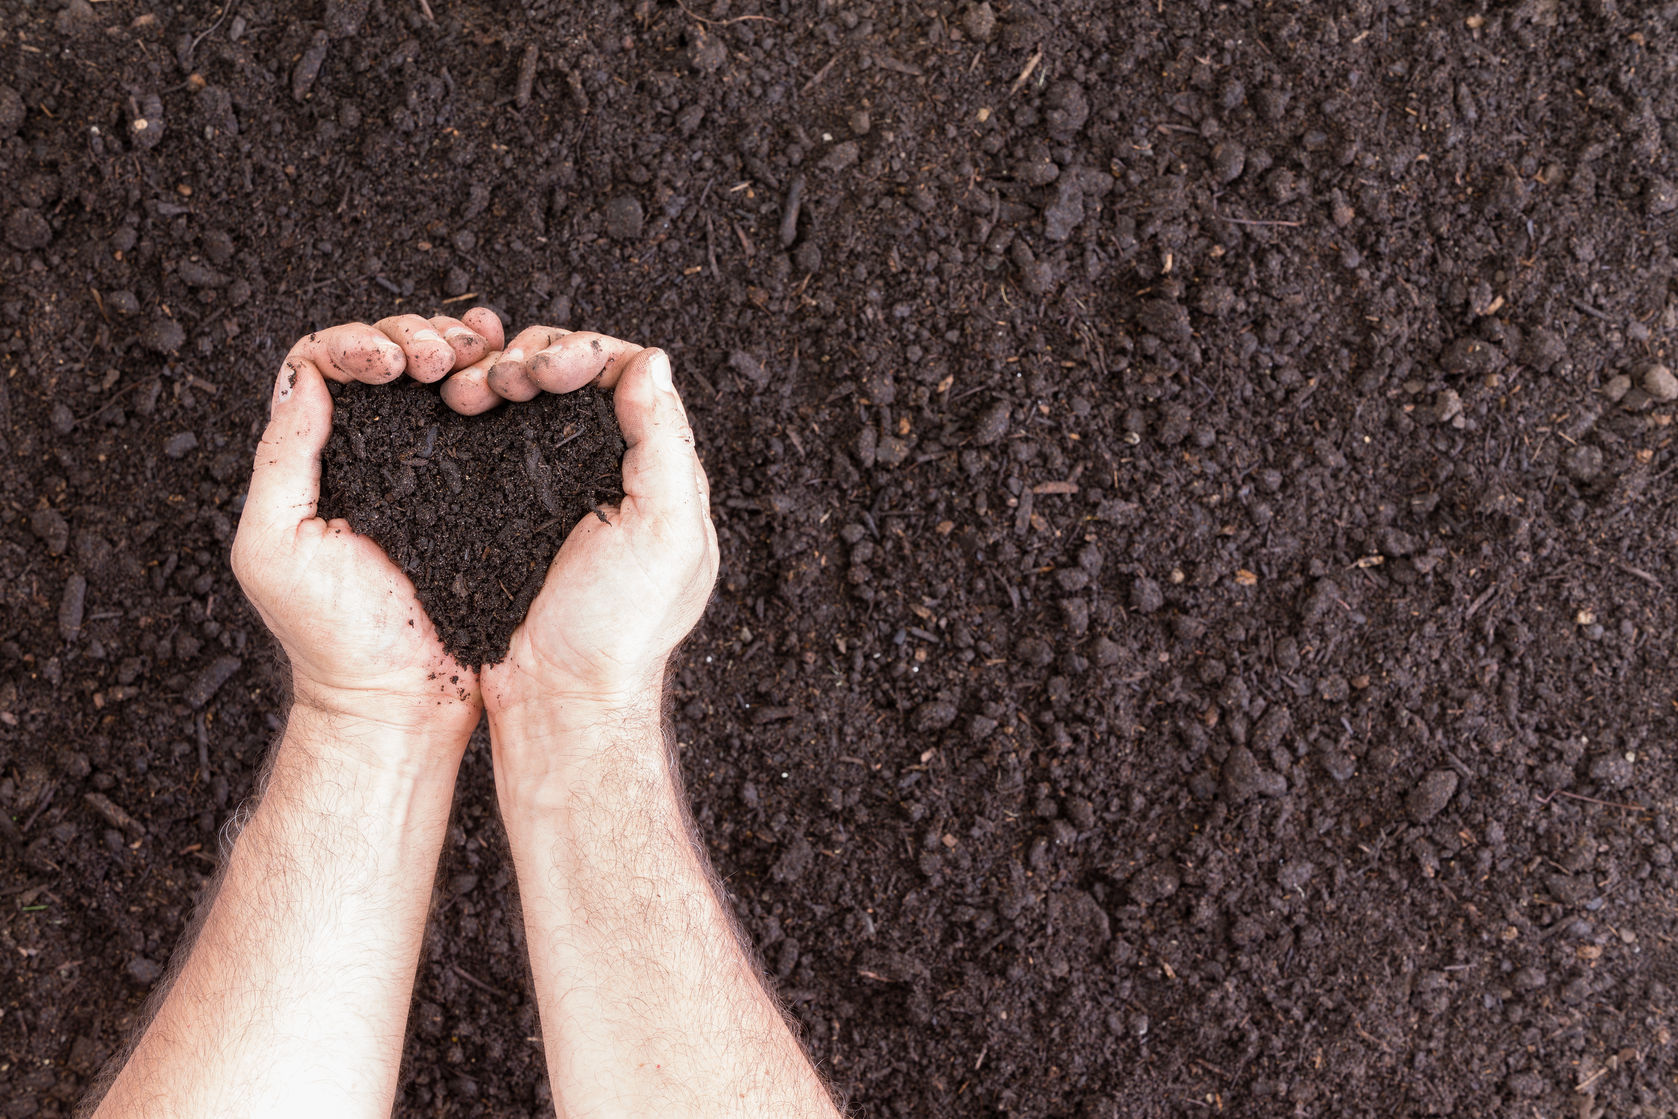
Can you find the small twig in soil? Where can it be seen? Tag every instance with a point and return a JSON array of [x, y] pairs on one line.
[[1485, 596], [41, 805], [1255, 221], [1025, 75], [1592, 1078], [425, 10], [111, 402], [1371, 1038], [461, 298], [1592, 311], [1641, 574], [1590, 800], [820, 74], [225, 8], [462, 972], [578, 434], [720, 22]]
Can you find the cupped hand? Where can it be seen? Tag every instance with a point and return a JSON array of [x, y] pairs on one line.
[[360, 645], [624, 591]]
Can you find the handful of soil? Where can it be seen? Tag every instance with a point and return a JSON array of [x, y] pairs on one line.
[[471, 508]]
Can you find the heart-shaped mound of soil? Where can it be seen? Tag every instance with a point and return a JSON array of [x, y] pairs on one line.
[[472, 508]]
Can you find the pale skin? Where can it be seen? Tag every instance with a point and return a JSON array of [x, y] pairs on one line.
[[293, 997]]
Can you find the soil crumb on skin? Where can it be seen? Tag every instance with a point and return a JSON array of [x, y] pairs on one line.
[[472, 509]]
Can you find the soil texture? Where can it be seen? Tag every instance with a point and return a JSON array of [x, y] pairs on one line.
[[1195, 484], [471, 508]]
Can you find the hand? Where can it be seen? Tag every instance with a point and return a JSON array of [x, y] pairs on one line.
[[359, 643], [622, 593]]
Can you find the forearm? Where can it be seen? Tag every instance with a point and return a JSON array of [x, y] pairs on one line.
[[649, 1004], [295, 994]]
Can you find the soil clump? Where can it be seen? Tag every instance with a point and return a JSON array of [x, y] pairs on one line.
[[471, 508]]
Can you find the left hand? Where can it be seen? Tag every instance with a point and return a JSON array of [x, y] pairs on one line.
[[361, 647]]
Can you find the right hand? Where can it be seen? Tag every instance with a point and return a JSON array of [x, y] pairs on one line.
[[622, 593]]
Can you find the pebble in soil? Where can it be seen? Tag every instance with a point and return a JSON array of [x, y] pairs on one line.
[[472, 509]]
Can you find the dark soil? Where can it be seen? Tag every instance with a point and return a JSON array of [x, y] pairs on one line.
[[1196, 511], [472, 509]]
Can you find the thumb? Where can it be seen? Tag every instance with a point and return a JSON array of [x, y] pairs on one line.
[[660, 468], [285, 484]]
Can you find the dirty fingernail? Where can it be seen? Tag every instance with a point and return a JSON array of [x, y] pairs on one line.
[[284, 382], [427, 335]]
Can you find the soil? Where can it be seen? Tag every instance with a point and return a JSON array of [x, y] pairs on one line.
[[1196, 513], [472, 509]]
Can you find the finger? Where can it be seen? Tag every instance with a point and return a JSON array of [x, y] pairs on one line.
[[581, 358], [510, 375], [488, 324], [352, 352], [468, 391], [511, 381], [703, 484], [469, 346], [429, 357], [285, 483], [661, 471]]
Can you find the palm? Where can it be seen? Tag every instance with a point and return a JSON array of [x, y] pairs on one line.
[[612, 597], [381, 633], [353, 618]]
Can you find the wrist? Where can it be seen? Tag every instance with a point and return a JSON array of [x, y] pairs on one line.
[[378, 745], [446, 711], [561, 738], [333, 778], [548, 706]]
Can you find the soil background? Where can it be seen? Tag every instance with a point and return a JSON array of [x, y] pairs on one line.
[[1197, 521]]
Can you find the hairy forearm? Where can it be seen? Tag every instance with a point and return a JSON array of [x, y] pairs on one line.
[[649, 1003], [295, 993]]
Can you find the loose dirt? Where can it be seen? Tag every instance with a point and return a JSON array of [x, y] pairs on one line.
[[1196, 513], [472, 509]]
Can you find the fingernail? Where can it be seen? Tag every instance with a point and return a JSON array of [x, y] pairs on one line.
[[512, 355], [427, 335], [659, 364], [284, 382], [457, 332], [391, 349]]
